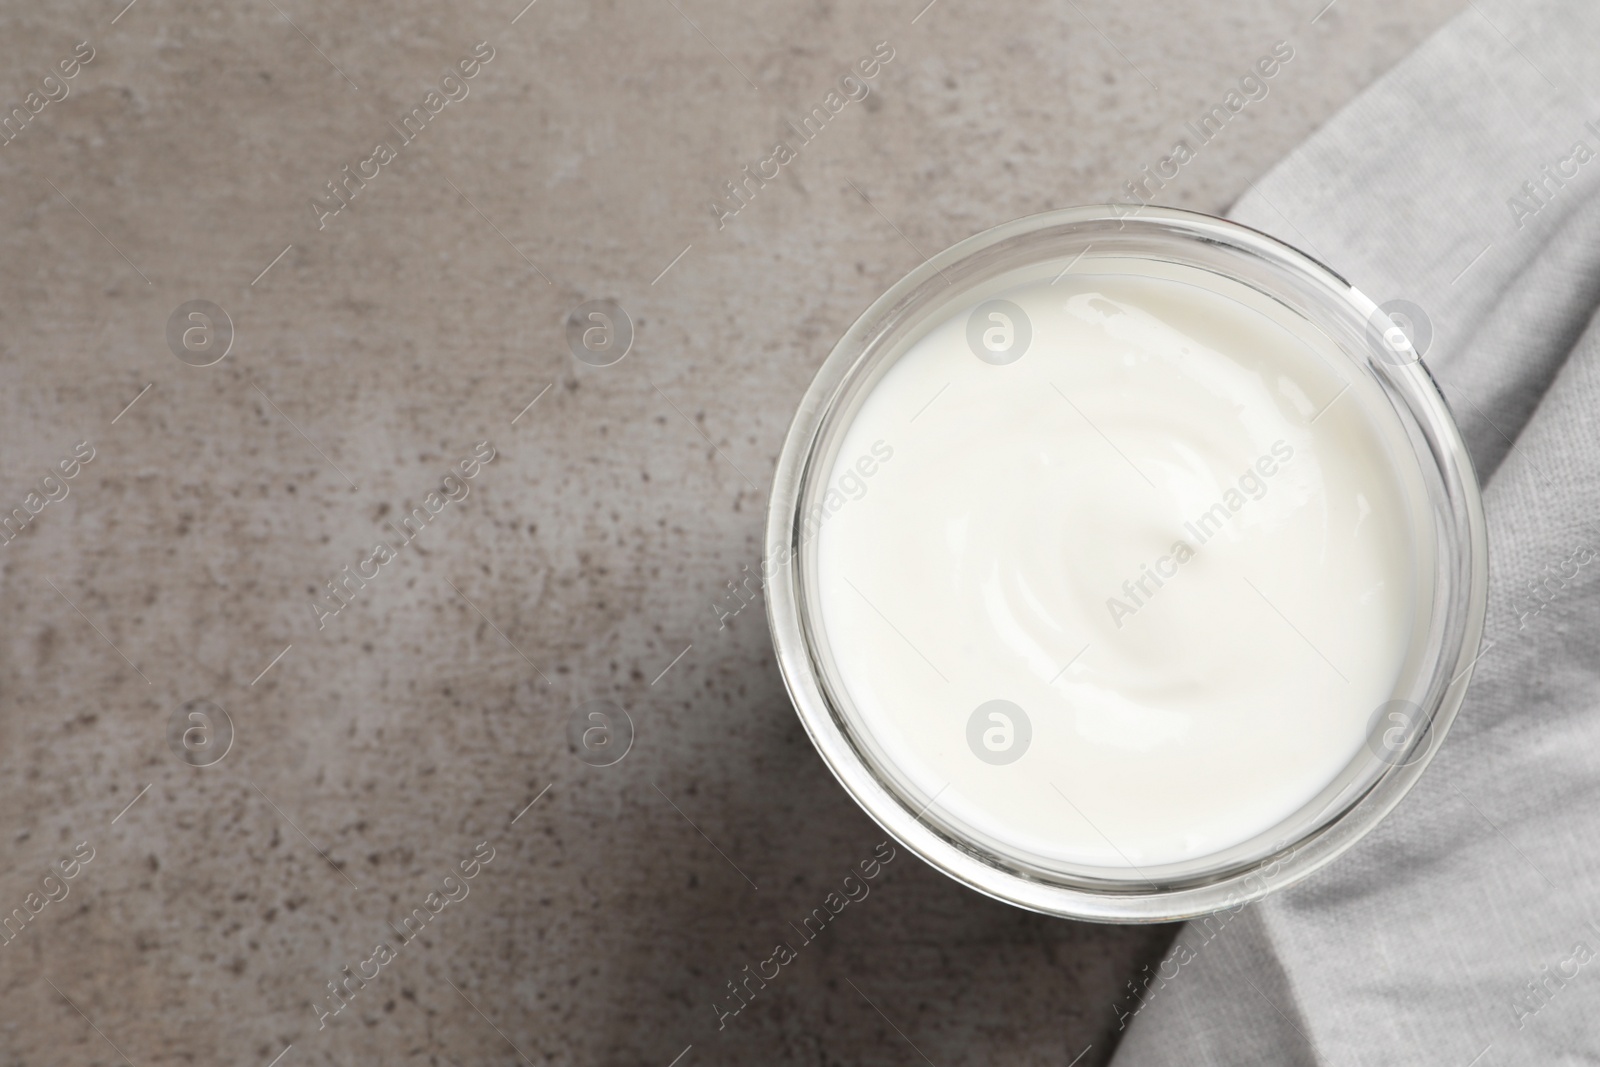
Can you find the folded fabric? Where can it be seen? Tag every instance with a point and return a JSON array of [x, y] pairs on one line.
[[1466, 928]]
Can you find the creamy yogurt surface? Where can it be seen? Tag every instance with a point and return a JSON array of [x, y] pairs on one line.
[[1130, 574]]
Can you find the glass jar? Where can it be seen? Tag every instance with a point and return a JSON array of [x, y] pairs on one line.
[[1391, 390]]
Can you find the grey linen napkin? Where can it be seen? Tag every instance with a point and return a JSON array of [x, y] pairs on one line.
[[1466, 928]]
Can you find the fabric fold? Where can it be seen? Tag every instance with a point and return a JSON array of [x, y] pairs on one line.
[[1463, 930]]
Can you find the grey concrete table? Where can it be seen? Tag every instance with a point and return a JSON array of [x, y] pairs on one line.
[[395, 209]]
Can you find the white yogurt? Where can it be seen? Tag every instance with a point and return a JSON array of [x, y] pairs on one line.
[[1166, 532]]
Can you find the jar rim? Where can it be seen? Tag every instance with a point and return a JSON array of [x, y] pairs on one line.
[[1439, 451]]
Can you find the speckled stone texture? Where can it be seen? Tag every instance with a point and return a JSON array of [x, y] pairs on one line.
[[372, 757]]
